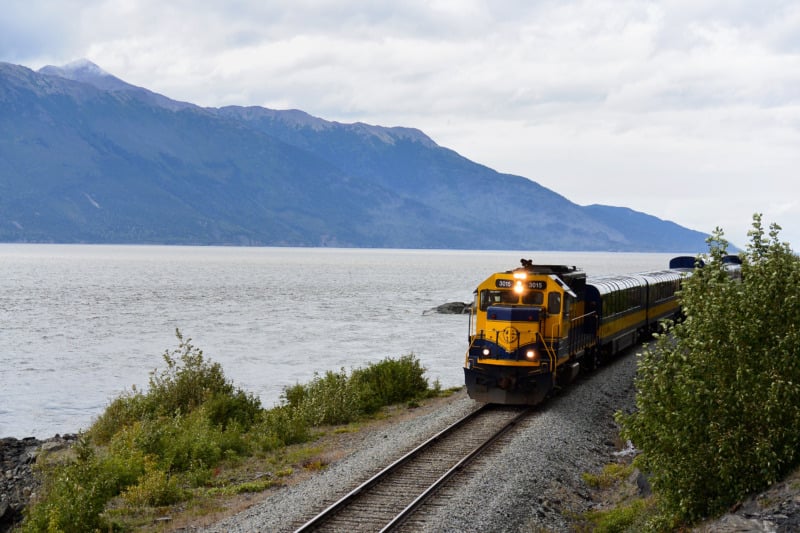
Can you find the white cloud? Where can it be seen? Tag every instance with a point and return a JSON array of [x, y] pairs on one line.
[[686, 110]]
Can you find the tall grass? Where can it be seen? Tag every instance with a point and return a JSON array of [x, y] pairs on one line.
[[150, 449]]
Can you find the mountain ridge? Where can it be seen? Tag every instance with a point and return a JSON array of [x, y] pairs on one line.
[[87, 157]]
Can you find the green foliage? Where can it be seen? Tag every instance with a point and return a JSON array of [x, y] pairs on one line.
[[632, 517], [389, 382], [328, 399], [718, 397], [152, 448], [282, 426], [336, 398], [182, 443], [612, 473], [77, 492], [123, 411], [190, 381], [241, 488], [154, 488], [147, 444]]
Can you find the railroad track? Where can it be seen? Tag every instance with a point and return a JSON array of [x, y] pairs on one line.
[[386, 500]]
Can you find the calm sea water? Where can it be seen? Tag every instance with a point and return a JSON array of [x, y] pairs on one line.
[[81, 324]]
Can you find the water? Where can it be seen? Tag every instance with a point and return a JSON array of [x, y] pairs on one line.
[[79, 324]]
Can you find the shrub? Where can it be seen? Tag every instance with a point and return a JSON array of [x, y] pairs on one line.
[[282, 426], [182, 443], [189, 381], [123, 411], [631, 516], [390, 381], [237, 408], [328, 399], [336, 398], [155, 488], [190, 419], [718, 401], [148, 447], [76, 493]]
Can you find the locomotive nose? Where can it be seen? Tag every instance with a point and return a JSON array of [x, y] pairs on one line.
[[505, 383]]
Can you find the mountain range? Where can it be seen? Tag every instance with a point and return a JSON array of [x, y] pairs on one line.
[[87, 158]]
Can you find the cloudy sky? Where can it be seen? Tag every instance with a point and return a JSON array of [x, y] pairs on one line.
[[687, 109]]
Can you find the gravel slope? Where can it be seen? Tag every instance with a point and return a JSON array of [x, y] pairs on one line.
[[531, 480]]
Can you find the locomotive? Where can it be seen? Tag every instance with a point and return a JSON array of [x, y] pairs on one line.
[[532, 329]]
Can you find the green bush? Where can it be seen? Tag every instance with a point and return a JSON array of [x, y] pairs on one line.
[[390, 381], [718, 398], [151, 447], [282, 426], [123, 411], [77, 492], [328, 399], [336, 398], [144, 444], [190, 381], [629, 517], [154, 488], [237, 408]]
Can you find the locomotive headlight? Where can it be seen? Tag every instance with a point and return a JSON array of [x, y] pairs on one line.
[[520, 275], [486, 352], [518, 288], [531, 355]]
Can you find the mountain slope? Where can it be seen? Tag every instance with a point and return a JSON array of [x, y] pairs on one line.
[[86, 157], [84, 165]]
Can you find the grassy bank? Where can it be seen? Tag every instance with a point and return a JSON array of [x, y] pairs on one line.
[[192, 439]]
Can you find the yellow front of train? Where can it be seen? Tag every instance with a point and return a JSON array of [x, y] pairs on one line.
[[516, 323]]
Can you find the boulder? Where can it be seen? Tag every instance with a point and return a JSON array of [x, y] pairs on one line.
[[450, 308]]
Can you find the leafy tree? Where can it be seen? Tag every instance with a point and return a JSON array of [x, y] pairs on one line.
[[718, 395]]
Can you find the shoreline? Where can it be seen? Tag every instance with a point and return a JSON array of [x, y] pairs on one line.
[[18, 485], [773, 509]]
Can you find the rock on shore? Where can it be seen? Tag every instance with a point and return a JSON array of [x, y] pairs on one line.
[[17, 482], [450, 308]]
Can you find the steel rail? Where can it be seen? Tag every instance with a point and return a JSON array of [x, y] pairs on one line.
[[419, 500], [346, 500]]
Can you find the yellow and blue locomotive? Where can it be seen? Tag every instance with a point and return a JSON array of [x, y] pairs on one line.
[[534, 327]]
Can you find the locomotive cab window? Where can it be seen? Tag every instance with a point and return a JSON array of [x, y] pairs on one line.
[[553, 303], [497, 297], [533, 298]]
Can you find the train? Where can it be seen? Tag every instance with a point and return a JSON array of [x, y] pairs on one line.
[[532, 329]]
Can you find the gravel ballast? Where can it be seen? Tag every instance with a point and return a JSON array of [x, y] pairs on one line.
[[531, 479]]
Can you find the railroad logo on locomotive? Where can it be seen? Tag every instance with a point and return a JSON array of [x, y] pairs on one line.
[[510, 335]]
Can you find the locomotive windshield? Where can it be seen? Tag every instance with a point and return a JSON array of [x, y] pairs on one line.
[[509, 297], [533, 298]]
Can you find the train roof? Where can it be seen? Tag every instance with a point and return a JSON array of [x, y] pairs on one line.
[[564, 271], [663, 275], [614, 282]]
